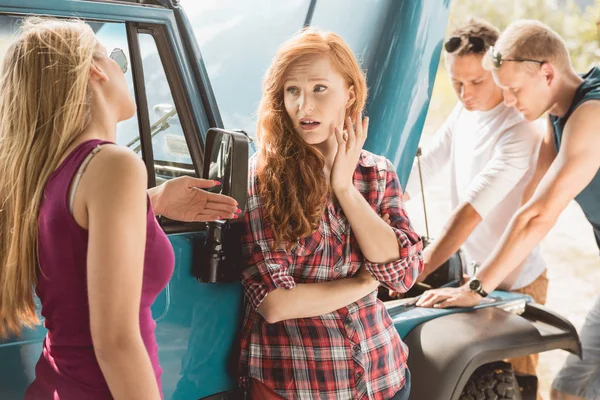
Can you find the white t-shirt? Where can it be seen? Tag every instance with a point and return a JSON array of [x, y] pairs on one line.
[[492, 156]]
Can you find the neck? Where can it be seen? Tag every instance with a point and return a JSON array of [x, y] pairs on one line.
[[329, 149], [103, 123], [566, 87]]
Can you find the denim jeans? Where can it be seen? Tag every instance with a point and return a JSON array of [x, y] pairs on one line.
[[405, 391]]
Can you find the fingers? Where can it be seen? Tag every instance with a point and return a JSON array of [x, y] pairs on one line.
[[218, 198], [361, 126], [201, 183], [339, 137], [221, 199], [449, 302], [351, 133], [206, 215], [222, 207], [431, 297], [386, 218], [218, 209]]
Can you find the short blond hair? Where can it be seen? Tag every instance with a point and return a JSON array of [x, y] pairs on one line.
[[531, 40]]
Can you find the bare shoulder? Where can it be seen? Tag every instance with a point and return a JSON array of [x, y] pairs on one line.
[[114, 169], [584, 119]]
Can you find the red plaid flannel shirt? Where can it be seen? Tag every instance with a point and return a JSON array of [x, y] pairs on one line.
[[354, 352]]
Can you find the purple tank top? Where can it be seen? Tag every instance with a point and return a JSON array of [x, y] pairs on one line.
[[67, 368]]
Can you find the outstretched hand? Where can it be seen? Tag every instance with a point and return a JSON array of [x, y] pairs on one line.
[[449, 297], [350, 144], [183, 199]]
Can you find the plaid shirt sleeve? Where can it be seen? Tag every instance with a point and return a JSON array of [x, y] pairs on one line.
[[267, 268], [401, 274]]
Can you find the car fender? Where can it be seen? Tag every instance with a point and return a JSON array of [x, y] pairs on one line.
[[444, 352]]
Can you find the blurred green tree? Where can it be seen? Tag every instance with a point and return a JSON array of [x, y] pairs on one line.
[[575, 21]]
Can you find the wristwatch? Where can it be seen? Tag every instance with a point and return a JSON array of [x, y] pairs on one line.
[[476, 286]]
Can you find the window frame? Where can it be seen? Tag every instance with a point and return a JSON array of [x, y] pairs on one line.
[[181, 98]]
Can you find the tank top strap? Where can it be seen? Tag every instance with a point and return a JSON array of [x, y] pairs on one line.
[[63, 176]]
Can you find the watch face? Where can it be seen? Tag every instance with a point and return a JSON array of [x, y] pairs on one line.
[[474, 285]]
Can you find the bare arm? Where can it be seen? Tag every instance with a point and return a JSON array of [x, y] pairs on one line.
[[114, 190], [574, 167], [546, 156], [461, 224], [313, 299], [376, 238], [403, 260]]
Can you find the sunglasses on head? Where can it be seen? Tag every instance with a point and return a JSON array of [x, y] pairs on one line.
[[477, 44], [497, 59], [118, 55]]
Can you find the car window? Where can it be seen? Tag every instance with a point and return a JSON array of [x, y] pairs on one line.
[[171, 154]]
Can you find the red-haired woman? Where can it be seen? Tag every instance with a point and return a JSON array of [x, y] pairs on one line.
[[316, 245]]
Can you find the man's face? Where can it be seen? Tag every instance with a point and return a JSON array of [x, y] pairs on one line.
[[473, 85], [525, 88]]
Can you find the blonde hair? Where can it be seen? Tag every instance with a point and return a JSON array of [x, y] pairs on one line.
[[44, 105], [531, 40], [288, 164]]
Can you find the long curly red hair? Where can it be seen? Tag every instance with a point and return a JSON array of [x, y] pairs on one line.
[[292, 185]]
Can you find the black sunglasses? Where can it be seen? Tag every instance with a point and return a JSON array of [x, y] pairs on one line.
[[477, 44], [497, 59], [118, 55]]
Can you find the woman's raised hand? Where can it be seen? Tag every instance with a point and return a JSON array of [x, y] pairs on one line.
[[350, 144]]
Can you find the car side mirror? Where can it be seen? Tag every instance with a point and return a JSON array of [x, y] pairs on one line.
[[226, 161]]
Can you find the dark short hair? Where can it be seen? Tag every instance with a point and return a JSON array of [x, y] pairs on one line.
[[475, 28]]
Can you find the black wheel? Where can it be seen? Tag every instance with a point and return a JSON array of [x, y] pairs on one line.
[[495, 381]]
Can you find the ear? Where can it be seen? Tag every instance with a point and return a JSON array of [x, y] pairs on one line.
[[96, 74], [549, 73], [351, 97]]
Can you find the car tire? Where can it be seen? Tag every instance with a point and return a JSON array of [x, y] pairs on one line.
[[495, 381]]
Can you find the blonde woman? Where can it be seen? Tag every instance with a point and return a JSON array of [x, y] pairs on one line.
[[316, 245], [76, 222]]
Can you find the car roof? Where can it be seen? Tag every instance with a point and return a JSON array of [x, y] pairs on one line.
[[147, 3]]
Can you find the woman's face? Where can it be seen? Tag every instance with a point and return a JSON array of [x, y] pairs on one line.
[[316, 98], [115, 86]]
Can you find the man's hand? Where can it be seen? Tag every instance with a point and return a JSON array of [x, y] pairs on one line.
[[183, 199], [449, 297]]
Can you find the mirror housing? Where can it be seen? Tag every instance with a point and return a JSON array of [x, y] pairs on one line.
[[226, 161]]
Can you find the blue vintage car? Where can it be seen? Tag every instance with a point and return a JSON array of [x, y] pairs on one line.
[[182, 89]]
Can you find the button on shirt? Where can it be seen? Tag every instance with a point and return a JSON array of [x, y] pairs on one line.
[[354, 352]]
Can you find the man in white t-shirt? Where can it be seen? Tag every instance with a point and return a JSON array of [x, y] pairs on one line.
[[490, 151]]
